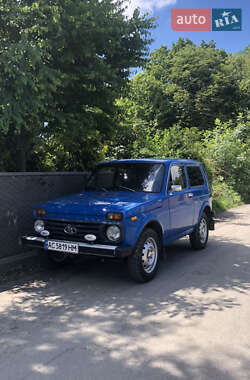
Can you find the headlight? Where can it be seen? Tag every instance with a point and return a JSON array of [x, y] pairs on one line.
[[39, 226], [113, 233]]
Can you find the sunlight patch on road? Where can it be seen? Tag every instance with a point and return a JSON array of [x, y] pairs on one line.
[[43, 369]]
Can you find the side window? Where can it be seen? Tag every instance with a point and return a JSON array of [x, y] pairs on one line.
[[195, 176], [177, 176]]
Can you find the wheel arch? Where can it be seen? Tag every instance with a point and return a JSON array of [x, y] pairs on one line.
[[207, 211], [210, 216], [156, 226], [206, 208]]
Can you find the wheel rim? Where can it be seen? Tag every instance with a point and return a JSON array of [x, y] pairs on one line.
[[203, 230], [149, 255]]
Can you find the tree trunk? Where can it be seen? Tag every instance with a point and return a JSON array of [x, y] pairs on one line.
[[22, 150]]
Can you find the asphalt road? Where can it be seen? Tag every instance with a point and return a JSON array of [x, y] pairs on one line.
[[90, 321]]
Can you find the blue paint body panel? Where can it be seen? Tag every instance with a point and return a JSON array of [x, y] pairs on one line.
[[176, 214]]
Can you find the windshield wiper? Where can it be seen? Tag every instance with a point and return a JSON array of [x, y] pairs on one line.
[[127, 188]]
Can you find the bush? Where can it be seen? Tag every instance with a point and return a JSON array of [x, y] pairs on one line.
[[227, 154], [224, 151], [224, 196]]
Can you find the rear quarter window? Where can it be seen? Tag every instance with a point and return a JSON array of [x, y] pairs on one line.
[[195, 176]]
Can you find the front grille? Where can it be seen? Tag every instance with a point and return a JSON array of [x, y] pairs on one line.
[[56, 229]]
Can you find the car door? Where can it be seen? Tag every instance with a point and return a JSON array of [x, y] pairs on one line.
[[198, 188], [180, 203]]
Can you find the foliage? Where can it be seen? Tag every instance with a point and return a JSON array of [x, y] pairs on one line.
[[223, 150], [191, 102], [172, 142], [188, 84], [227, 153], [68, 62], [241, 63], [24, 79], [65, 62], [224, 197]]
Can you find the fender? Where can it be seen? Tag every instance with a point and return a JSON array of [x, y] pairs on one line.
[[204, 204], [146, 221]]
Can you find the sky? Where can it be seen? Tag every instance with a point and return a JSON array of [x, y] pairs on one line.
[[231, 41]]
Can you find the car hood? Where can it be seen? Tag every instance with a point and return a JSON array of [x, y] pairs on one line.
[[93, 203]]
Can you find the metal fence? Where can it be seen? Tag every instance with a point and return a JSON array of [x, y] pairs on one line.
[[19, 192]]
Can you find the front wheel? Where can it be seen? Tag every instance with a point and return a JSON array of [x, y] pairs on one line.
[[199, 237], [143, 263], [58, 259]]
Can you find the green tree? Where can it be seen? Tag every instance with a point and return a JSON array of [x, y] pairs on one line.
[[26, 83], [241, 64], [65, 62], [187, 84]]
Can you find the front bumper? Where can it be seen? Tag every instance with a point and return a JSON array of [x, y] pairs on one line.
[[84, 248]]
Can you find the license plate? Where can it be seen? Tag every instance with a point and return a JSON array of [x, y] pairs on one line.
[[61, 246]]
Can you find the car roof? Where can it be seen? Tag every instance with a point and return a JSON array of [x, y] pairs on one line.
[[152, 160]]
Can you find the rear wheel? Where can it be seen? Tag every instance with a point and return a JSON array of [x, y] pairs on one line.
[[199, 237], [143, 263]]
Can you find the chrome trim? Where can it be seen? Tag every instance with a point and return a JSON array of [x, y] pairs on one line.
[[46, 219], [70, 230], [34, 238], [98, 246]]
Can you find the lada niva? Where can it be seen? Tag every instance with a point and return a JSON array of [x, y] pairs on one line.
[[129, 209]]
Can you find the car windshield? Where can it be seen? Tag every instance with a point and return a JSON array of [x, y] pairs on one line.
[[134, 177]]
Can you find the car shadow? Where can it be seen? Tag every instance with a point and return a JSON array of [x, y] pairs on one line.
[[93, 317]]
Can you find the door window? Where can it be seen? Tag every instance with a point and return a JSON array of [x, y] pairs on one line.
[[177, 176], [195, 176]]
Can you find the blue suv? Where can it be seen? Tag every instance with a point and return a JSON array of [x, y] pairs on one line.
[[129, 209]]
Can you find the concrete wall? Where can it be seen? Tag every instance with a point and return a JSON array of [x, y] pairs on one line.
[[19, 192]]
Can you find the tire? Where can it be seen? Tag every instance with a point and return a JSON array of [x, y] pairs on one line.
[[198, 238], [143, 263], [58, 259]]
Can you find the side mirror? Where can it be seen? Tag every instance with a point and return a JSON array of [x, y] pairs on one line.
[[175, 188]]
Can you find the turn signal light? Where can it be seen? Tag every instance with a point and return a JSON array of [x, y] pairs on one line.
[[114, 216], [40, 212], [133, 218]]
